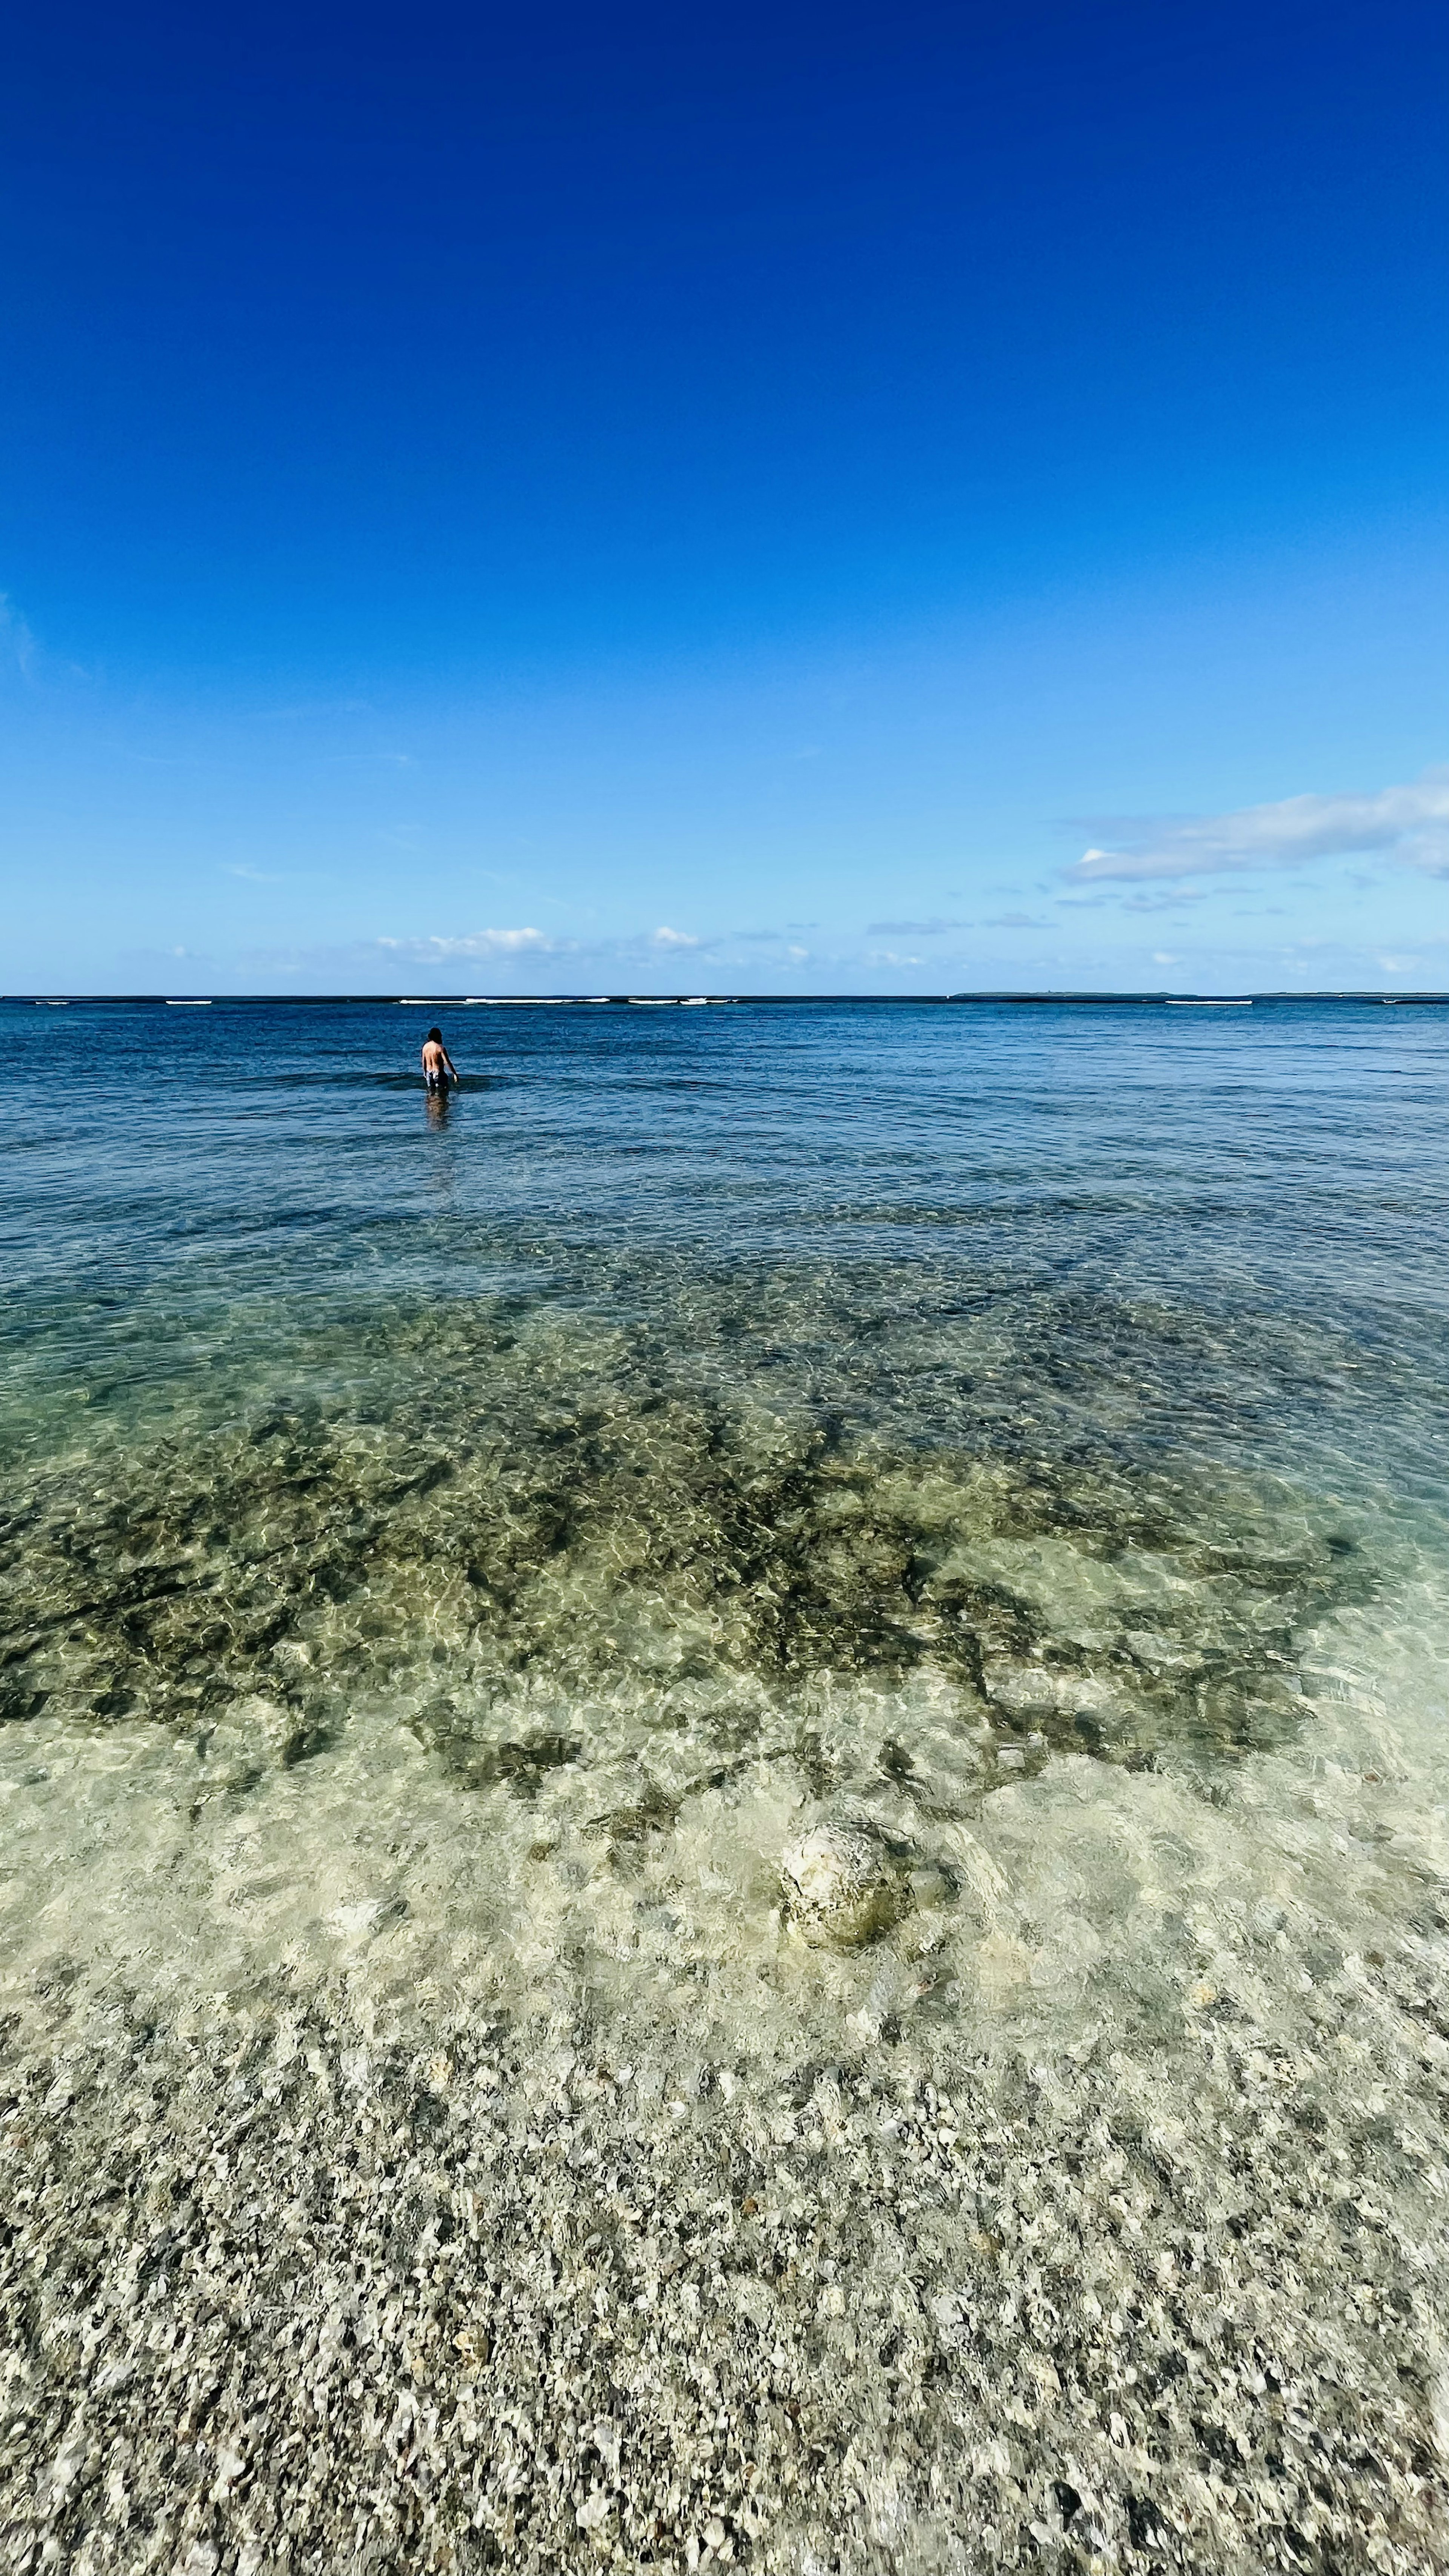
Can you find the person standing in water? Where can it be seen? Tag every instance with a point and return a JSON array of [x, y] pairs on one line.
[[438, 1066]]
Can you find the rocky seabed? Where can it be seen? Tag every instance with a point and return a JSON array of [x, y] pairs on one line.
[[285, 2293]]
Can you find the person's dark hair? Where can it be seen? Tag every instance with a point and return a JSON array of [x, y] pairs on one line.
[[433, 1038]]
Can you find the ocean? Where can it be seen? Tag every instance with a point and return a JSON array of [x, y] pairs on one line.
[[724, 1778]]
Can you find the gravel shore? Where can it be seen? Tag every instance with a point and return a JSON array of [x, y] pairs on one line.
[[286, 2291]]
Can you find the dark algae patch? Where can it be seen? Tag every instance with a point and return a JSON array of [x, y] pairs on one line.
[[559, 1512]]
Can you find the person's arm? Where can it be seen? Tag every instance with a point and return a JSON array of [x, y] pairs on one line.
[[448, 1061]]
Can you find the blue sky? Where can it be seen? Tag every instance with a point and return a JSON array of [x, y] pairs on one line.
[[730, 499]]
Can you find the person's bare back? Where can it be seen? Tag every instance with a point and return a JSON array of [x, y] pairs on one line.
[[438, 1066]]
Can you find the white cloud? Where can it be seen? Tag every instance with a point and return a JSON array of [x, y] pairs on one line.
[[664, 937], [475, 943], [1411, 822]]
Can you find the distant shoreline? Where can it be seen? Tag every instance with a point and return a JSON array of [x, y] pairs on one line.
[[682, 1001]]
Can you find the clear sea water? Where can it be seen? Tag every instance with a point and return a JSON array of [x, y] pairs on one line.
[[463, 1549]]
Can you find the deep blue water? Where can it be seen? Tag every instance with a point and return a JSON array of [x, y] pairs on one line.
[[1225, 1229]]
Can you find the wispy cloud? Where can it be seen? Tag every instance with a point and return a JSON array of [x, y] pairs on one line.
[[17, 643], [1410, 822], [1169, 898], [912, 929], [527, 941], [477, 943]]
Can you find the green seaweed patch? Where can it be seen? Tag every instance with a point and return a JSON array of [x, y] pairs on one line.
[[566, 1532], [520, 1765]]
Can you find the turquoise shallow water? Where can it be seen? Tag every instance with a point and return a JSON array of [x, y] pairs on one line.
[[1276, 1177], [465, 1574], [711, 1417]]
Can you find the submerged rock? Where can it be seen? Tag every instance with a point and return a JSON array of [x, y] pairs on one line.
[[609, 1522], [1025, 1690], [842, 1885]]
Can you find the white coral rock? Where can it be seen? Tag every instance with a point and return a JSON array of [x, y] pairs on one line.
[[841, 1884]]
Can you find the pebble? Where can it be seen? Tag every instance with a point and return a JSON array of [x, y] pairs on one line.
[[275, 2315]]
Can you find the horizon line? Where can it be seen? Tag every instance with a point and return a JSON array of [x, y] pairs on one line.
[[1142, 997]]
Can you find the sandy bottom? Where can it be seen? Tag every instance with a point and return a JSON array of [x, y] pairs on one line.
[[398, 2177]]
